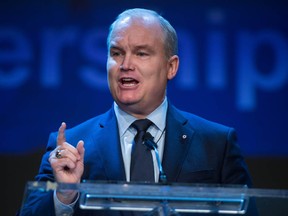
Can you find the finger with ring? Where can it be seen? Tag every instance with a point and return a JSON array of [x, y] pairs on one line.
[[58, 154]]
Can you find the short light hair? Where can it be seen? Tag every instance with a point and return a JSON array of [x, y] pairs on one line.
[[170, 35]]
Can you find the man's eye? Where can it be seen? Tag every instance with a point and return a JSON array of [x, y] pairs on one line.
[[142, 54], [115, 53]]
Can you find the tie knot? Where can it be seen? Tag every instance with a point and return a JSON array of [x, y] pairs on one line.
[[141, 124]]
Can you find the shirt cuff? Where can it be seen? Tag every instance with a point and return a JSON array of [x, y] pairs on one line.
[[62, 209]]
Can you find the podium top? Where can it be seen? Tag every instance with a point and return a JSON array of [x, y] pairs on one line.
[[163, 190], [199, 198]]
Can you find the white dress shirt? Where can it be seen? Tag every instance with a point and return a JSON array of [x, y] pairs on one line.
[[127, 134]]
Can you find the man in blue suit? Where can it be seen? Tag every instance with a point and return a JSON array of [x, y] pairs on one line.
[[142, 58]]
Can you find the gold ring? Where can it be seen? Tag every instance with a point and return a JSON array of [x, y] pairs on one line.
[[58, 154]]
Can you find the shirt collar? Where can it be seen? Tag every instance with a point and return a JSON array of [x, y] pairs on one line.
[[125, 120]]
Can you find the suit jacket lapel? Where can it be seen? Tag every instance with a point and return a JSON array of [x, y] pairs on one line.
[[110, 151], [177, 143]]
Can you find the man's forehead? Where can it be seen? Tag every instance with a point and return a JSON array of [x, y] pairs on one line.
[[139, 25], [136, 37], [144, 19]]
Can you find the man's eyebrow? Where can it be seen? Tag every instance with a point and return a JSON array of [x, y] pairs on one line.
[[113, 46], [145, 47], [135, 48]]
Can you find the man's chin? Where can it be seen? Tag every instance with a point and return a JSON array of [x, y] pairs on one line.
[[130, 105], [127, 103]]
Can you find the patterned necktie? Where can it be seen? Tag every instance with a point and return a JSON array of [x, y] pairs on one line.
[[142, 168]]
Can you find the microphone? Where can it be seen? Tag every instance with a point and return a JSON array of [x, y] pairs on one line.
[[150, 144]]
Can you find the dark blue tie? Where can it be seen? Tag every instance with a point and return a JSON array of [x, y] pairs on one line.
[[141, 168]]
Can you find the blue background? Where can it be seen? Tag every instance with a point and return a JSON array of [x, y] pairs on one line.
[[233, 67]]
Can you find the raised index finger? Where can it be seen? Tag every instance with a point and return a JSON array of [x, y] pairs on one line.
[[61, 134]]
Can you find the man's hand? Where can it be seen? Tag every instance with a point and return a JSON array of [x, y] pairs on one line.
[[68, 166]]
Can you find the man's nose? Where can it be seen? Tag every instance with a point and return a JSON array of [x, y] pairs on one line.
[[127, 63]]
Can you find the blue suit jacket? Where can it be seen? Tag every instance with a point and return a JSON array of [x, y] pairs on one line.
[[196, 151]]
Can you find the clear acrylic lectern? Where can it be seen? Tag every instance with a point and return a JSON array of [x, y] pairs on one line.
[[165, 199]]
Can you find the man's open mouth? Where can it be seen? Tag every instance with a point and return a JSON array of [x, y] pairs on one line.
[[128, 82]]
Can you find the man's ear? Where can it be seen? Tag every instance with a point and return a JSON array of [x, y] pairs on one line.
[[173, 64]]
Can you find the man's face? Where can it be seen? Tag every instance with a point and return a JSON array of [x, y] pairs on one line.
[[137, 66]]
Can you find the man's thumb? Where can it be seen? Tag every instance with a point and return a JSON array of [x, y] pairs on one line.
[[81, 149]]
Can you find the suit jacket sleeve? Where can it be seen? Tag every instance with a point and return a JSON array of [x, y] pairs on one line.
[[41, 202], [234, 169]]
